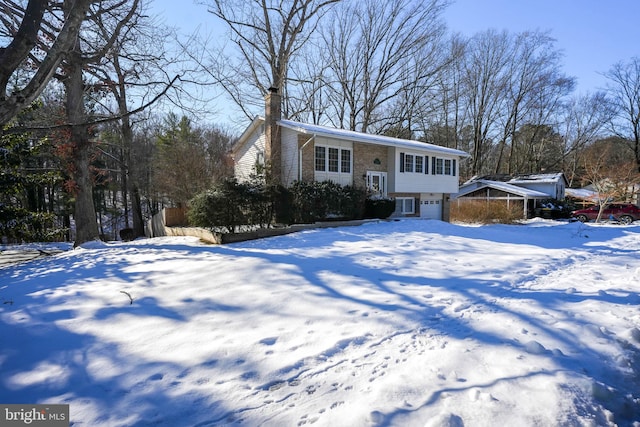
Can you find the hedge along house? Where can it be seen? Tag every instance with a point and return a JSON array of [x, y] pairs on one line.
[[419, 176]]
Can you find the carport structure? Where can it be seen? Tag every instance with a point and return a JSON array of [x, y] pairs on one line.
[[487, 190]]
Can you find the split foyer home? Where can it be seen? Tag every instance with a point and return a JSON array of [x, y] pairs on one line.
[[419, 176]]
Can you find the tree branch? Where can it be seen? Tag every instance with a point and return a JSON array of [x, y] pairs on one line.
[[23, 129]]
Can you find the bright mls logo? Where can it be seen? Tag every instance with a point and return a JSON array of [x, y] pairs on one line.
[[34, 415]]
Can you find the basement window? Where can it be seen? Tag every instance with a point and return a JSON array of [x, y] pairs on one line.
[[406, 205]]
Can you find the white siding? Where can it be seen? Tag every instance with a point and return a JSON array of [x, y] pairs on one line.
[[337, 177], [555, 190], [543, 187], [412, 182], [290, 157], [245, 159]]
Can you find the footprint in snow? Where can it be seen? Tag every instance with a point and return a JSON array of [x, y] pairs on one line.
[[476, 395], [446, 420], [534, 347], [249, 375], [458, 308], [156, 377]]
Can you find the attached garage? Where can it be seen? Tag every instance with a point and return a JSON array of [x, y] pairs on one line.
[[431, 207]]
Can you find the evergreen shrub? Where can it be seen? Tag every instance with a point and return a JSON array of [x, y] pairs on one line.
[[325, 200], [231, 204], [379, 208], [20, 225]]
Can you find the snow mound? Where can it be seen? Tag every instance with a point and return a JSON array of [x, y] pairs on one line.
[[534, 347]]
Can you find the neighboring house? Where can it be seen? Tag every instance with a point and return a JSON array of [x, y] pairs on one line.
[[588, 195], [418, 175], [582, 197], [527, 191], [553, 184]]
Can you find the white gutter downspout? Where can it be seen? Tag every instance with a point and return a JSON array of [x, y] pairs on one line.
[[300, 156]]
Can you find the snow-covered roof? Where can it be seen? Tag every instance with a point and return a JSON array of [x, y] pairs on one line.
[[537, 178], [329, 132], [367, 138], [581, 193], [472, 186], [547, 178]]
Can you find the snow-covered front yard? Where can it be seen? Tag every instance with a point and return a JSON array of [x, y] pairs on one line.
[[402, 323]]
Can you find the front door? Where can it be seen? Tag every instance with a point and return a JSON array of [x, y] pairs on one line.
[[377, 183]]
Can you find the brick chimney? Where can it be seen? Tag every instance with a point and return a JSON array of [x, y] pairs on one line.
[[273, 142]]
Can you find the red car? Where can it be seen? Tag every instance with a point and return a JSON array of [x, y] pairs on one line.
[[626, 213]]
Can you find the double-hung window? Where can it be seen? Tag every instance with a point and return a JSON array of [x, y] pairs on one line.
[[321, 159], [413, 163], [332, 159], [447, 167], [419, 160], [443, 166], [405, 205], [345, 161], [408, 162]]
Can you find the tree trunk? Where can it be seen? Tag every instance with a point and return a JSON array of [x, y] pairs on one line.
[[84, 211], [136, 210], [124, 187]]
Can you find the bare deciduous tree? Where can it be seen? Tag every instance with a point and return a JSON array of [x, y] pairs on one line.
[[611, 173], [581, 122], [135, 70], [534, 89], [91, 46], [39, 21], [444, 124], [485, 82], [506, 81], [267, 35], [419, 98], [624, 90], [376, 51]]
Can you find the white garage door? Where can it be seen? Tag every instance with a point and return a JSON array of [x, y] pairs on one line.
[[431, 208]]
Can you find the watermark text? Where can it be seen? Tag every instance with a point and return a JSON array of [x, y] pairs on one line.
[[36, 415]]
